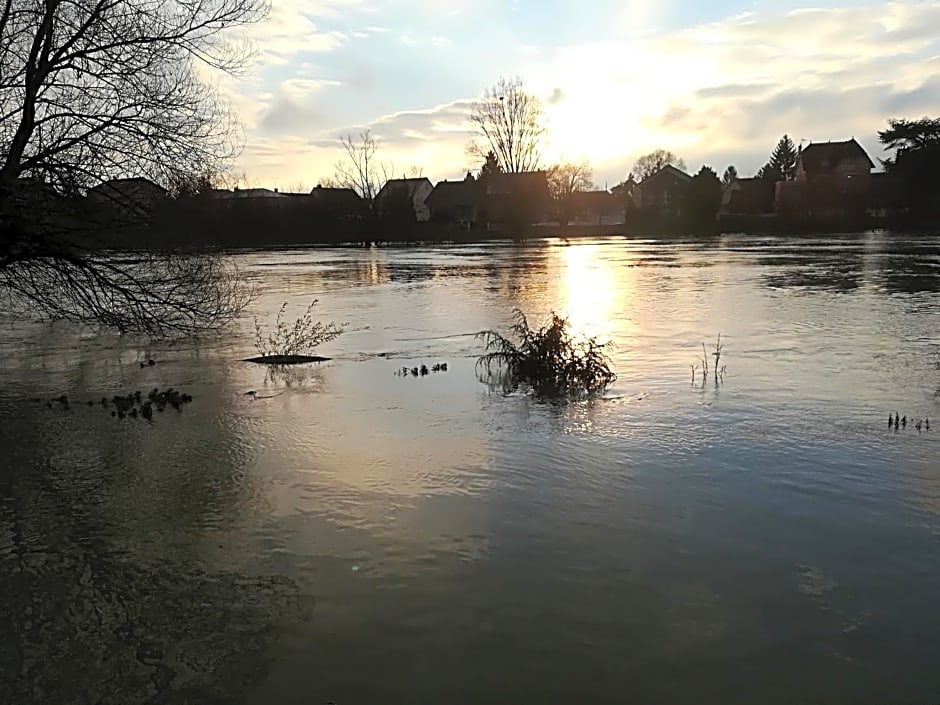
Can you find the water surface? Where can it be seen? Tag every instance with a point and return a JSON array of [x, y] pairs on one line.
[[354, 535]]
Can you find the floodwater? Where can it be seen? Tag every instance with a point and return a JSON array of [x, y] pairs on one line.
[[353, 535]]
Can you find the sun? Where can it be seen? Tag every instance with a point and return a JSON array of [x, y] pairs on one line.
[[607, 103], [596, 131]]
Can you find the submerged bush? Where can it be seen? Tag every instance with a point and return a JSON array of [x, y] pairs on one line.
[[549, 359], [296, 340]]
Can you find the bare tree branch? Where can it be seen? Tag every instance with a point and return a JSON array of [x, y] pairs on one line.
[[566, 179], [361, 170], [509, 121], [93, 90], [649, 164]]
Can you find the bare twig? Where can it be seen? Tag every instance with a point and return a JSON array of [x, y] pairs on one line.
[[298, 338], [101, 89], [510, 122]]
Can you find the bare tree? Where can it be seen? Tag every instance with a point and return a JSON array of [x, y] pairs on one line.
[[361, 170], [649, 164], [565, 180], [92, 90], [510, 123]]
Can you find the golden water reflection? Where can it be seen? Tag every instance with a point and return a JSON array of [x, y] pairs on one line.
[[594, 289]]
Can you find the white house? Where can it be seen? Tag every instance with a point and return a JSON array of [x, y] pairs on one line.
[[419, 189]]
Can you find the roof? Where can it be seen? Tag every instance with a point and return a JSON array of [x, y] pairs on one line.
[[133, 182], [515, 182], [252, 193], [823, 156], [336, 197], [453, 194], [670, 170], [411, 185], [594, 199]]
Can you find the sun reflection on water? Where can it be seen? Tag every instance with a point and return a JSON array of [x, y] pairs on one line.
[[592, 291]]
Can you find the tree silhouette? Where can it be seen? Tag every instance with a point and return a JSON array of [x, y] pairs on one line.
[[360, 169], [769, 173], [510, 122], [490, 165], [566, 179], [909, 135], [649, 164], [92, 90], [703, 200], [916, 162], [783, 159]]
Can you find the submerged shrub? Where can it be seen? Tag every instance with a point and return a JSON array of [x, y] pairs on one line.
[[549, 359], [291, 340]]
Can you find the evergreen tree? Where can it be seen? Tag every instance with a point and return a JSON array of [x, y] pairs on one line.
[[490, 165], [703, 201], [770, 173], [783, 159]]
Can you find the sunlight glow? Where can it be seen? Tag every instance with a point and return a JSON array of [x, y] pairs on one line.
[[590, 291], [608, 94]]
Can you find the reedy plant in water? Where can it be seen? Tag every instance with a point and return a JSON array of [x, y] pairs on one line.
[[299, 338], [549, 359]]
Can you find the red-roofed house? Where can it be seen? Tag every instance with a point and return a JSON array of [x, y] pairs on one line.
[[832, 179]]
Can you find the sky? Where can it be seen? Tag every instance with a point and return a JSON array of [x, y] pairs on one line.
[[717, 82]]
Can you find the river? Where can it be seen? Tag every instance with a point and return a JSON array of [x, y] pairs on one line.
[[355, 535]]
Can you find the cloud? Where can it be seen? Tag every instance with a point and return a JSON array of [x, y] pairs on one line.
[[300, 26], [296, 107], [719, 91], [736, 85]]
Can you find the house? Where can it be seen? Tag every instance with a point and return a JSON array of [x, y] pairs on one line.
[[240, 193], [832, 179], [748, 196], [518, 198], [417, 188], [846, 161], [134, 197], [340, 203], [455, 201], [595, 208], [663, 192]]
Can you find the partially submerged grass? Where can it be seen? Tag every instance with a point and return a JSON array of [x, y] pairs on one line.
[[549, 359], [719, 369]]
